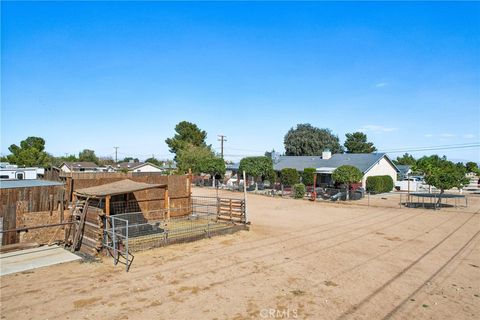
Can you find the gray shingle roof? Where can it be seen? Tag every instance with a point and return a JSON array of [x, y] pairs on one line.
[[363, 161]]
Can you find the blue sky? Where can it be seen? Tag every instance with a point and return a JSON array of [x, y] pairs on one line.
[[102, 74]]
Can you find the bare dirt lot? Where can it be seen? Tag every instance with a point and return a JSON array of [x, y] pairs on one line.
[[300, 260]]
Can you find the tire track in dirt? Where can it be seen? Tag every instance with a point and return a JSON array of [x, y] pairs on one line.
[[303, 235], [294, 258], [447, 276], [435, 274], [420, 235], [367, 299], [303, 244]]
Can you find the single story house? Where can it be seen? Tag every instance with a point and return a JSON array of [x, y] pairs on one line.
[[138, 167], [370, 164], [84, 166]]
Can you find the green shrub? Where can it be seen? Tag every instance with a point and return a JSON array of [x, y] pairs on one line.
[[308, 175], [379, 184], [270, 176], [289, 177], [299, 191]]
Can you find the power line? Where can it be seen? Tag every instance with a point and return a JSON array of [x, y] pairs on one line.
[[433, 148]]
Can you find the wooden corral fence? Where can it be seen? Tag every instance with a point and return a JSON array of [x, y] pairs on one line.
[[231, 210], [17, 203], [32, 199]]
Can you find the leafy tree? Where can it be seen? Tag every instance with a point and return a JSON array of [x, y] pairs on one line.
[[31, 152], [308, 176], [307, 140], [128, 159], [357, 143], [214, 166], [187, 134], [471, 167], [87, 155], [154, 161], [406, 159], [270, 176], [200, 160], [289, 176], [105, 161], [257, 167], [441, 173], [69, 158], [347, 174]]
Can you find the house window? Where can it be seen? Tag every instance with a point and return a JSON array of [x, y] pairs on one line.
[[19, 175]]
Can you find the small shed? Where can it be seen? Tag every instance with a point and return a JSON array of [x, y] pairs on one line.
[[94, 205]]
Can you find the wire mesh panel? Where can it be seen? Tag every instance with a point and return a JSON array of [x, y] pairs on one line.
[[206, 216]]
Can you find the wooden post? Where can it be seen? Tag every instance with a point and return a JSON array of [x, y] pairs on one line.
[[62, 207], [107, 205], [189, 191], [245, 195], [167, 203]]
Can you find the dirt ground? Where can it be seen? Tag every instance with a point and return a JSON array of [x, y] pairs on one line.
[[300, 260]]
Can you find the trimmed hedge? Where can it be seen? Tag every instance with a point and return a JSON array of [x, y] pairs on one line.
[[299, 191], [379, 184], [308, 175], [289, 177]]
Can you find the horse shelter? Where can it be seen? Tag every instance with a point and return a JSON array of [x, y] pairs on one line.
[[123, 217]]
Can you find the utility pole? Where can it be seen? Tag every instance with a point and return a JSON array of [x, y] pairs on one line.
[[222, 139], [116, 148]]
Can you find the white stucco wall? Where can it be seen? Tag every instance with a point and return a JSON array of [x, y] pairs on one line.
[[381, 168], [147, 168]]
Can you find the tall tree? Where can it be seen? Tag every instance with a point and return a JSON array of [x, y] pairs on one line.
[[307, 140], [187, 134], [88, 156], [357, 143], [406, 159], [31, 152], [471, 166], [200, 160], [154, 161]]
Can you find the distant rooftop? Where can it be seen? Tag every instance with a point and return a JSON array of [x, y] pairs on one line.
[[9, 184]]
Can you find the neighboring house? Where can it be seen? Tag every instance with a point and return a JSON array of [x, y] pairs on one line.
[[138, 167], [404, 171], [13, 172], [231, 169], [84, 166], [370, 164]]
